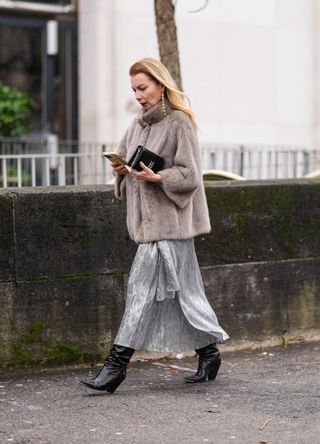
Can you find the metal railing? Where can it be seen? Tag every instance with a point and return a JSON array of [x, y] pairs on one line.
[[52, 169], [261, 161], [49, 162]]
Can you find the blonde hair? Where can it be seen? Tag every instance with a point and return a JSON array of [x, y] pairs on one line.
[[159, 73]]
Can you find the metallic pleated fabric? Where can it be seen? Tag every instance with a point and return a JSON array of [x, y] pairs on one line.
[[166, 308]]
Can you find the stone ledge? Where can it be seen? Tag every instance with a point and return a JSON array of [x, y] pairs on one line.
[[65, 254]]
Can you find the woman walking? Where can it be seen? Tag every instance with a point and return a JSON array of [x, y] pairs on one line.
[[166, 308]]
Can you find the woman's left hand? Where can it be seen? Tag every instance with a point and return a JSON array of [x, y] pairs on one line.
[[146, 174]]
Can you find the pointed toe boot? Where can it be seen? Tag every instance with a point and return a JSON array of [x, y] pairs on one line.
[[208, 366], [113, 373]]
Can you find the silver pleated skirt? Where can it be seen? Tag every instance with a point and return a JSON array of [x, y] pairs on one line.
[[166, 308]]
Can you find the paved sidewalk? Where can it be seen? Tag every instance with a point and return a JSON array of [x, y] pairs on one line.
[[269, 396]]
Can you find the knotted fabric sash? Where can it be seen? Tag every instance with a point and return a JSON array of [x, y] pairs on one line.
[[165, 282]]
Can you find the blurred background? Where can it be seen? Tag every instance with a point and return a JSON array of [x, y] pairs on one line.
[[249, 67]]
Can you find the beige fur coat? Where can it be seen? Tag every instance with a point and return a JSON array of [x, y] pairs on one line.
[[177, 207]]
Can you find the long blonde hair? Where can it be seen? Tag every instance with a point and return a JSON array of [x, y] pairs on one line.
[[159, 73]]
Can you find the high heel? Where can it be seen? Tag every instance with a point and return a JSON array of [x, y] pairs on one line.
[[114, 371], [209, 364], [212, 375]]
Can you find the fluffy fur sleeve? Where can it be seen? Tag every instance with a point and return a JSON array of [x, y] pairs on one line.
[[180, 181]]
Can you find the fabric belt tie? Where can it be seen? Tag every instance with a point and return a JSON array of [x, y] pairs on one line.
[[167, 280]]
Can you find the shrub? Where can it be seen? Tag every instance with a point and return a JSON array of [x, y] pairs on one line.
[[15, 108]]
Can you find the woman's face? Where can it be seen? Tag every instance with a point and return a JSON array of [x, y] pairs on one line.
[[147, 91]]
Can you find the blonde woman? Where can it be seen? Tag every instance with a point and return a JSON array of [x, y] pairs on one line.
[[166, 308]]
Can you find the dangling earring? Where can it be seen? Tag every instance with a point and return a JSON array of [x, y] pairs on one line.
[[163, 103]]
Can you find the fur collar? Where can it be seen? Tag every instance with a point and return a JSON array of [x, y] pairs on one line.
[[152, 115]]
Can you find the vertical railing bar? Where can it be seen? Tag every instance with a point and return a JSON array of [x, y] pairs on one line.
[[276, 169], [241, 163], [75, 170], [305, 163], [47, 171], [247, 171], [259, 166], [5, 173], [90, 165], [64, 169], [295, 164], [104, 167], [19, 172], [270, 169], [33, 171], [61, 169]]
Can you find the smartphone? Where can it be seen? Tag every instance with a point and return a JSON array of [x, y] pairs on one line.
[[113, 157]]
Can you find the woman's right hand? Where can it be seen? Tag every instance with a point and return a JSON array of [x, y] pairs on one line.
[[121, 169]]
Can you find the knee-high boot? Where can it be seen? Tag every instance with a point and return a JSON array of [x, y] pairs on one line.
[[209, 363], [114, 370]]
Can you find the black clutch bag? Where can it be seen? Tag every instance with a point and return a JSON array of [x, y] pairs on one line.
[[150, 159]]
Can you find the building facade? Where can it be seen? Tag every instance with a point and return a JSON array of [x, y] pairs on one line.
[[249, 67], [38, 55]]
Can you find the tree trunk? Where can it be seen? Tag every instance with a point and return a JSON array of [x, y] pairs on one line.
[[167, 38]]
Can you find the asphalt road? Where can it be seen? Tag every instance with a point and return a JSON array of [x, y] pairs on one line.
[[266, 396]]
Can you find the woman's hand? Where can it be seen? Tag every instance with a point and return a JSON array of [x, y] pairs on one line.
[[146, 174], [121, 169]]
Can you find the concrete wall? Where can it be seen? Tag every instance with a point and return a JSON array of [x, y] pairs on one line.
[[65, 257]]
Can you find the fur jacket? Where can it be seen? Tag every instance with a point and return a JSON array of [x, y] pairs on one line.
[[177, 207]]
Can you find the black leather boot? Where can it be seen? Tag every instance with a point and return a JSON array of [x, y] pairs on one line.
[[114, 370], [209, 363]]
